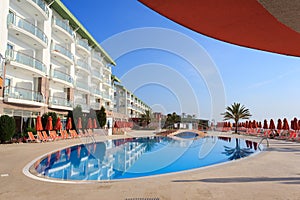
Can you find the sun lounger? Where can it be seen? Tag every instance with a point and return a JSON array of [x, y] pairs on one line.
[[46, 137], [31, 138], [65, 135], [40, 136], [73, 134], [54, 136]]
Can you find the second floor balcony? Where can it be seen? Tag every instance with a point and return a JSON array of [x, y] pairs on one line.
[[63, 30], [28, 63], [26, 32], [62, 54], [25, 96], [96, 92], [82, 65]]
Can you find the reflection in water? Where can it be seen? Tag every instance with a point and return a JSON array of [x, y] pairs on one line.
[[237, 152], [136, 157]]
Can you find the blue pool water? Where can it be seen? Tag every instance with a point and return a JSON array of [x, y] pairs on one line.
[[138, 157]]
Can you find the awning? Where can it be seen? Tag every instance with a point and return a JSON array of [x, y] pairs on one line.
[[246, 23]]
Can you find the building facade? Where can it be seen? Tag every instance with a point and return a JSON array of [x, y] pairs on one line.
[[50, 62], [126, 102]]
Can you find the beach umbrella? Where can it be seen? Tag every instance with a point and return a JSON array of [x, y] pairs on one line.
[[265, 124], [79, 123], [38, 125], [279, 124], [58, 125], [49, 125], [259, 125], [285, 124], [250, 124], [295, 124], [299, 124], [69, 124], [254, 124], [95, 123], [90, 124], [272, 124]]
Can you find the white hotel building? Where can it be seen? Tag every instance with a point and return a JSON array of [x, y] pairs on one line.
[[52, 63]]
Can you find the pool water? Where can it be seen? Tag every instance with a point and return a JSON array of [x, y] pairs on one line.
[[139, 157]]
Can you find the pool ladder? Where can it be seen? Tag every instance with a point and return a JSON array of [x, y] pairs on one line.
[[262, 139], [91, 137]]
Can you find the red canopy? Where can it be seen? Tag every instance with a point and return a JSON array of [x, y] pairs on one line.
[[69, 124], [38, 125], [243, 22], [49, 125], [58, 125]]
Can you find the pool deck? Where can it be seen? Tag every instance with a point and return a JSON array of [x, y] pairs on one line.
[[272, 174]]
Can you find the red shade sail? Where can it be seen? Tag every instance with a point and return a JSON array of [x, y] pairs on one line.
[[49, 125], [58, 125], [38, 125], [69, 124], [79, 123], [243, 22]]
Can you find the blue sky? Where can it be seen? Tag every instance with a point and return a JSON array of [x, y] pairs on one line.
[[266, 83]]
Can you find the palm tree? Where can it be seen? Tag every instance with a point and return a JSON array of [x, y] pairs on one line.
[[236, 112], [146, 118]]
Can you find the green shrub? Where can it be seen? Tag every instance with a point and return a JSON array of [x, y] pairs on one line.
[[7, 128]]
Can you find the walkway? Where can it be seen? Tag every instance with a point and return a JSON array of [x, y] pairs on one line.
[[273, 174]]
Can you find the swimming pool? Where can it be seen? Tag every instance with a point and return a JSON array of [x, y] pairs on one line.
[[140, 157]]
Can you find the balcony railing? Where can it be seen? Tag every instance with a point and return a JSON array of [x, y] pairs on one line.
[[96, 91], [62, 76], [25, 60], [84, 44], [82, 85], [83, 64], [59, 101], [62, 50], [96, 74], [97, 56], [23, 93], [42, 5], [64, 25], [27, 26]]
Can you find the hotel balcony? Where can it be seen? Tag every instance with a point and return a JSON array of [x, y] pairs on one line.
[[36, 8], [26, 32], [81, 65], [96, 105], [60, 103], [107, 69], [24, 96], [82, 86], [63, 30], [106, 97], [96, 74], [61, 54], [106, 82], [62, 77], [82, 47], [85, 107], [96, 58], [28, 63], [96, 92]]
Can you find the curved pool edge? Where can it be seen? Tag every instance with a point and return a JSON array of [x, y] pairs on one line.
[[27, 168]]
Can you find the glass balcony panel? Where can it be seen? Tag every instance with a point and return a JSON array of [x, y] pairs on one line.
[[23, 93], [27, 26], [25, 60]]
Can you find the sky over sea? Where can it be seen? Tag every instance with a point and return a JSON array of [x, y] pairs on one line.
[[174, 69]]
